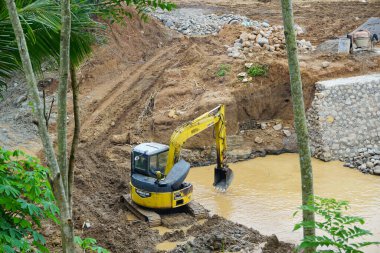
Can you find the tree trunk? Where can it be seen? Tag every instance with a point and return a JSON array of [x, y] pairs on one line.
[[44, 108], [299, 115], [58, 186], [74, 144], [64, 62]]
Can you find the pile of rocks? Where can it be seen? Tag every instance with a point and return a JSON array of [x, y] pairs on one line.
[[193, 21], [367, 161], [264, 37]]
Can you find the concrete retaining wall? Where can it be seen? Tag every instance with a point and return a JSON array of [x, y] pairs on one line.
[[345, 117]]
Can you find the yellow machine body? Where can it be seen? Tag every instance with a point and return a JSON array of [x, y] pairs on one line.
[[158, 173], [162, 200]]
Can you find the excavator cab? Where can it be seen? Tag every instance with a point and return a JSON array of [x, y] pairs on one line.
[[150, 187]]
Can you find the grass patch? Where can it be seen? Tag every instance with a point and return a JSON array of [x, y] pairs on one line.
[[223, 70], [258, 70]]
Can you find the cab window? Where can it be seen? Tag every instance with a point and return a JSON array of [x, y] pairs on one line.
[[153, 163], [162, 159], [158, 162], [141, 162]]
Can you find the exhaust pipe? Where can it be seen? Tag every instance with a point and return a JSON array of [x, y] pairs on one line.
[[222, 178]]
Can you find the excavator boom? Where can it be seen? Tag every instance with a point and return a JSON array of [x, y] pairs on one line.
[[216, 117]]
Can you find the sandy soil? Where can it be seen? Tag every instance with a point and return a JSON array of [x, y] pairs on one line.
[[132, 83]]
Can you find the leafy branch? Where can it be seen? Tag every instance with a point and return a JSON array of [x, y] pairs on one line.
[[89, 245], [340, 229], [26, 198], [114, 10]]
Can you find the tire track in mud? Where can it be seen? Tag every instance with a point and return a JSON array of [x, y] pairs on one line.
[[99, 181], [124, 95]]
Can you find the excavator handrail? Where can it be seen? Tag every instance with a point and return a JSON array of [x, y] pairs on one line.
[[216, 118]]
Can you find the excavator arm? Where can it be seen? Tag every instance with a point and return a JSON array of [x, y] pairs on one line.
[[216, 117]]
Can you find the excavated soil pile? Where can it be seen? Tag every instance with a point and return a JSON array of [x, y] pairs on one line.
[[220, 235]]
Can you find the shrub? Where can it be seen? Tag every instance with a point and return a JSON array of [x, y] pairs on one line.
[[223, 70], [338, 229], [25, 199], [89, 245], [257, 70]]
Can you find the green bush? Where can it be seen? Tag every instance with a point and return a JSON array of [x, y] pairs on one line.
[[89, 245], [25, 199], [338, 229], [223, 70], [257, 70]]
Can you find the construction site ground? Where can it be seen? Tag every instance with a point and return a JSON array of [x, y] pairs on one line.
[[147, 79]]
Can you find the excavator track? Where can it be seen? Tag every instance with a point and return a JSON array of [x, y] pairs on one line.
[[196, 210], [151, 217], [154, 219]]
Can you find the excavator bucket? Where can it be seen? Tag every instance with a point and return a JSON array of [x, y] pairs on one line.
[[222, 178]]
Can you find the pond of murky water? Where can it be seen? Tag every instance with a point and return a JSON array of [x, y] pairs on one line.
[[266, 192]]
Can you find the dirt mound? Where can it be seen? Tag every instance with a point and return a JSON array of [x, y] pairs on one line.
[[175, 220], [174, 236], [220, 235]]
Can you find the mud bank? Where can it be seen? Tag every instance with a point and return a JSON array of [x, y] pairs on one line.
[[220, 235]]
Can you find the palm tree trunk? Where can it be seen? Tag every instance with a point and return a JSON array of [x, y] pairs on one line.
[[64, 63], [74, 143], [299, 115], [58, 186]]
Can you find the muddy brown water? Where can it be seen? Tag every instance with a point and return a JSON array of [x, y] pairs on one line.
[[265, 193]]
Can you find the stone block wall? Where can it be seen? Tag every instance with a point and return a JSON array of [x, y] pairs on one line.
[[345, 117]]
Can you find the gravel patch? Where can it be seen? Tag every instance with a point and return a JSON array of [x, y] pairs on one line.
[[194, 21]]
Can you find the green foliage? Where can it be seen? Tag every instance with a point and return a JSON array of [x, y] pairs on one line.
[[223, 70], [114, 10], [25, 199], [41, 22], [257, 70], [340, 229], [89, 245]]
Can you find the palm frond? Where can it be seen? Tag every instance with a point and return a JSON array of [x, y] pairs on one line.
[[41, 22]]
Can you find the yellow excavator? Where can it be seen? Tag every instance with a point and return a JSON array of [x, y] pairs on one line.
[[158, 174]]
